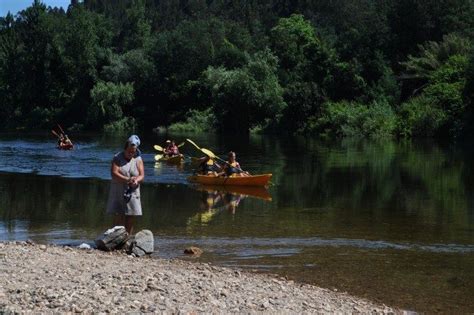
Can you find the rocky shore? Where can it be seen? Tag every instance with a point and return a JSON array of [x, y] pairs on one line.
[[40, 278]]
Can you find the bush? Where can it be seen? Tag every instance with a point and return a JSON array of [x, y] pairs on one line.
[[419, 118], [349, 119], [124, 125], [108, 102], [196, 121], [244, 97]]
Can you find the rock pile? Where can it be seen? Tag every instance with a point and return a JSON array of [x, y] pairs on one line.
[[116, 238]]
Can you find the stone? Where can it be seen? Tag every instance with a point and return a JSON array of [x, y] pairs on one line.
[[84, 246], [42, 247], [112, 239], [143, 243], [128, 246], [138, 252], [193, 250]]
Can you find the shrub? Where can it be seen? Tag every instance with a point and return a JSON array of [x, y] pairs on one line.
[[349, 119], [419, 118], [124, 125], [196, 121], [108, 102]]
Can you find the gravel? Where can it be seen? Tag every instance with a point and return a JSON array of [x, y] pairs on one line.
[[47, 278]]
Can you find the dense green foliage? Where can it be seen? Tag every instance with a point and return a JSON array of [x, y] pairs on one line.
[[341, 68]]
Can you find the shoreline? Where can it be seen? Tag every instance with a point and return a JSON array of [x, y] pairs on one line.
[[51, 278]]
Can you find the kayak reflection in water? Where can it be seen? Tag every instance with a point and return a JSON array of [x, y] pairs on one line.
[[232, 201], [214, 202], [232, 167], [209, 200]]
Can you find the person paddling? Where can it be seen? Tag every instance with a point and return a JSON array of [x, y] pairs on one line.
[[171, 148], [208, 166], [232, 167], [64, 143]]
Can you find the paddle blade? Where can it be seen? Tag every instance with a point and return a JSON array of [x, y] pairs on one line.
[[158, 148], [158, 157], [55, 133], [194, 144], [181, 144], [209, 153]]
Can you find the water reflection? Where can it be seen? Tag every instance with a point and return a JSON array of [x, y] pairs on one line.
[[217, 199]]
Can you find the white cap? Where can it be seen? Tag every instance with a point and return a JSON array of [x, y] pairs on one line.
[[134, 140]]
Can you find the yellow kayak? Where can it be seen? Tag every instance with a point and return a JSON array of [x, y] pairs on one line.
[[253, 180], [177, 159]]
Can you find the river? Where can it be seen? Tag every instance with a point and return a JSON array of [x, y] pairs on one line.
[[390, 221]]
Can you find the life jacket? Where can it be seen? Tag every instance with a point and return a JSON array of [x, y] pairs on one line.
[[208, 166], [233, 168]]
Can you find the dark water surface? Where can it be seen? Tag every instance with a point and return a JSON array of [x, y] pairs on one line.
[[393, 222]]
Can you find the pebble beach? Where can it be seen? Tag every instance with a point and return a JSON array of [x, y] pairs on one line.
[[48, 278]]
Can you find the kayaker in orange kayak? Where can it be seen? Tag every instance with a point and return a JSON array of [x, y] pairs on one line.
[[232, 167], [208, 166]]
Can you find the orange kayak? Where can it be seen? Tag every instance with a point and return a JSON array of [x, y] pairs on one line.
[[253, 180]]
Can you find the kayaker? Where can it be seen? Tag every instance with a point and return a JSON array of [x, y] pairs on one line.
[[127, 172], [60, 140], [67, 142], [171, 148], [232, 167], [208, 166]]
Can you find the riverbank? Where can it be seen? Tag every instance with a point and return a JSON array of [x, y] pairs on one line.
[[44, 278]]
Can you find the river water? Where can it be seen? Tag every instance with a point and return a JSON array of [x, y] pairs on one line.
[[389, 221]]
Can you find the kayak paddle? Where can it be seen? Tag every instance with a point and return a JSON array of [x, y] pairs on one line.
[[158, 157], [55, 133], [210, 154], [194, 144], [158, 148], [61, 129]]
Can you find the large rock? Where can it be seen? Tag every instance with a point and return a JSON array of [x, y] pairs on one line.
[[144, 243], [112, 239], [195, 251]]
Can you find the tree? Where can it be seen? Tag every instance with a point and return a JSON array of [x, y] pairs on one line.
[[246, 97], [10, 77], [108, 102], [136, 29]]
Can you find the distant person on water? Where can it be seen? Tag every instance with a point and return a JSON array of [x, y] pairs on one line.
[[67, 141], [232, 167], [171, 148], [60, 140], [64, 143], [208, 166], [127, 172]]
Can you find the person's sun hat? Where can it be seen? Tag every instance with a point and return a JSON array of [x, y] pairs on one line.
[[134, 140]]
